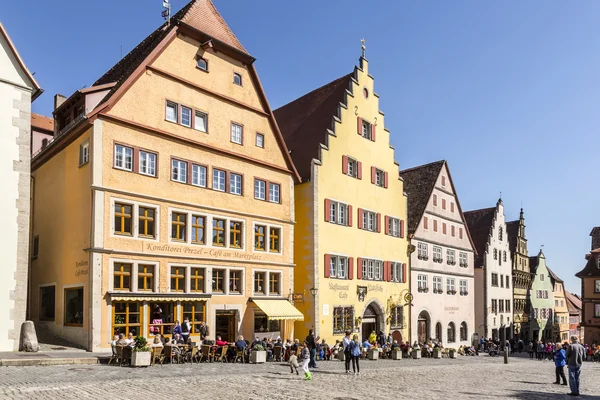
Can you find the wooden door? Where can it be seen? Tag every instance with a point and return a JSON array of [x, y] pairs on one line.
[[422, 330]]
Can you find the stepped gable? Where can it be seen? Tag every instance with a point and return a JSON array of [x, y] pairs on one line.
[[480, 223], [305, 121]]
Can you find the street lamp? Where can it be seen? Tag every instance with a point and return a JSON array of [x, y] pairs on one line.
[[313, 291]]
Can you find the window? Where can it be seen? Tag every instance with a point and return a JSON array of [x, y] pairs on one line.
[[504, 256], [366, 129], [422, 283], [444, 228], [259, 189], [443, 180], [437, 284], [452, 209], [425, 223], [259, 283], [393, 226], [73, 307], [379, 178], [338, 267], [352, 167], [463, 332], [236, 133], [450, 286], [422, 251], [597, 286], [123, 157], [179, 171], [186, 116], [235, 282], [495, 254], [541, 277], [145, 278], [343, 320], [435, 200], [146, 222], [501, 306], [500, 234], [84, 153], [202, 63], [397, 272], [507, 282], [259, 237], [126, 318], [197, 280], [260, 140], [450, 257], [274, 283], [463, 259], [198, 175], [369, 221], [596, 310], [147, 163], [501, 280], [235, 184], [435, 223], [443, 204], [507, 302], [274, 240], [494, 306], [451, 333], [218, 232], [198, 229], [274, 192], [237, 79], [218, 280], [36, 247], [460, 233], [47, 303], [177, 279], [437, 254], [464, 287], [123, 214], [178, 226], [195, 312], [338, 213], [200, 121], [372, 269], [494, 279], [397, 315], [218, 180], [171, 113], [235, 234]]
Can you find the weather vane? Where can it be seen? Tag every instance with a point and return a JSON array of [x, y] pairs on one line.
[[362, 41]]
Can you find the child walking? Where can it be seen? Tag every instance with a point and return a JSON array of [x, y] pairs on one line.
[[305, 357], [293, 362], [355, 354]]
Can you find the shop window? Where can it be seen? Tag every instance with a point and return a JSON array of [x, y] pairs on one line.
[[145, 278], [343, 320], [218, 283], [263, 324], [177, 279], [126, 318], [259, 283], [123, 214], [195, 312], [122, 277], [197, 280], [73, 307], [47, 303]]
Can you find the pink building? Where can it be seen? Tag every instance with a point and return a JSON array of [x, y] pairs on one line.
[[42, 131]]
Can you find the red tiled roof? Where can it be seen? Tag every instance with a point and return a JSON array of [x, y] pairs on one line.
[[553, 275], [41, 122], [304, 122]]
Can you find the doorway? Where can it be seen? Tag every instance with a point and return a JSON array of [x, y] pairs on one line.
[[225, 325], [368, 325], [423, 327]]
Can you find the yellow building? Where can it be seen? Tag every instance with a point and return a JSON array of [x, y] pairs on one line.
[[560, 330], [350, 247], [167, 192]]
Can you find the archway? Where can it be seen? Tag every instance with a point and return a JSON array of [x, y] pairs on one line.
[[423, 324], [372, 320], [438, 331], [451, 332], [463, 332], [397, 336]]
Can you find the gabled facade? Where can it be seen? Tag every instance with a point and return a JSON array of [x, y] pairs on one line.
[[493, 272], [574, 306], [18, 89], [590, 291], [517, 240], [442, 258], [350, 242], [541, 321], [560, 330], [166, 193], [42, 131]]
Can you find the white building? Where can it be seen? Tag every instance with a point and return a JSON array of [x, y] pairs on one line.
[[442, 273], [493, 273], [18, 89]]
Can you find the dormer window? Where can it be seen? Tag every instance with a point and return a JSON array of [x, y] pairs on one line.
[[202, 64], [237, 79]]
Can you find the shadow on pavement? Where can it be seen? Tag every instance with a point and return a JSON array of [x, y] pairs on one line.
[[532, 394]]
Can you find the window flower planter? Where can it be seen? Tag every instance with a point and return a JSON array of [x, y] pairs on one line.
[[397, 355], [416, 354], [258, 357], [141, 359], [373, 354], [437, 353]]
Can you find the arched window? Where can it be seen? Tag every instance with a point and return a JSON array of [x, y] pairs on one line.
[[495, 254], [500, 233], [463, 332], [451, 333], [438, 331]]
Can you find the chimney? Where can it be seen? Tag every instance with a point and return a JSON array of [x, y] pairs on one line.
[[595, 237], [58, 100]]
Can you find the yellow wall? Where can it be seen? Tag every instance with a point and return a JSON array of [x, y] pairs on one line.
[[561, 311], [351, 241]]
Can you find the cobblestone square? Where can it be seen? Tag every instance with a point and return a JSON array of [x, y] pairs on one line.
[[464, 378]]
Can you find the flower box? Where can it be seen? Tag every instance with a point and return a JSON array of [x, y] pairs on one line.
[[396, 355], [416, 354], [437, 353], [373, 354], [141, 358], [258, 357], [452, 353]]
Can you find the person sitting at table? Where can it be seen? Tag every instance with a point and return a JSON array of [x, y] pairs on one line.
[[395, 345], [325, 350], [177, 339], [219, 342], [157, 342], [240, 344], [130, 340], [335, 350], [113, 342]]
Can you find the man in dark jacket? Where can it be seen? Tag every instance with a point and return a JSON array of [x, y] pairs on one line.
[[312, 347], [575, 355], [203, 330]]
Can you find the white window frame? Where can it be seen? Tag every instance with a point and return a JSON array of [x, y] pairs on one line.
[[176, 167], [226, 291], [190, 115], [235, 184], [237, 133], [338, 264], [366, 129], [437, 283], [464, 287], [260, 140], [369, 220], [423, 250], [199, 175], [451, 256], [352, 167], [422, 281], [372, 269], [175, 107], [239, 76], [219, 180], [205, 68], [274, 193], [260, 189], [397, 271], [268, 227], [437, 253], [379, 177], [149, 159], [122, 150], [463, 259], [338, 213], [450, 284], [202, 116], [394, 226], [84, 153]]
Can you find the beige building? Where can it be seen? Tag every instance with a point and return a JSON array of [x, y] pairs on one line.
[[560, 331], [167, 193]]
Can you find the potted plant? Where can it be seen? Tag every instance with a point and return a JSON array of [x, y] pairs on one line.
[[373, 353], [258, 355], [397, 354], [416, 353], [141, 356], [437, 352], [452, 353]]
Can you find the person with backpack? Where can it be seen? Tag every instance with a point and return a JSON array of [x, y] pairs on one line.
[[346, 344]]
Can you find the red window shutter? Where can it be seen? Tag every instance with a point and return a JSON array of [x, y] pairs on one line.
[[359, 268], [327, 264], [453, 230], [443, 204], [349, 215], [386, 271], [350, 268], [401, 228], [425, 220], [435, 225], [460, 233], [387, 225], [378, 223], [403, 272], [359, 170], [345, 165], [385, 180], [360, 218], [373, 132], [373, 173], [327, 210], [359, 126], [444, 228]]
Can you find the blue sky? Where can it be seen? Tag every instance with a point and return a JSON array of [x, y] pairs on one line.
[[507, 92]]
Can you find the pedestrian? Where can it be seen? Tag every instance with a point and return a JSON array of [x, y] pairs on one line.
[[355, 353], [540, 350], [531, 349], [347, 356], [482, 344], [560, 360], [185, 329], [305, 357], [293, 363], [312, 347], [203, 331], [575, 354]]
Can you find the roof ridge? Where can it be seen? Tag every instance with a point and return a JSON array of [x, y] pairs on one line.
[[480, 209], [422, 166]]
